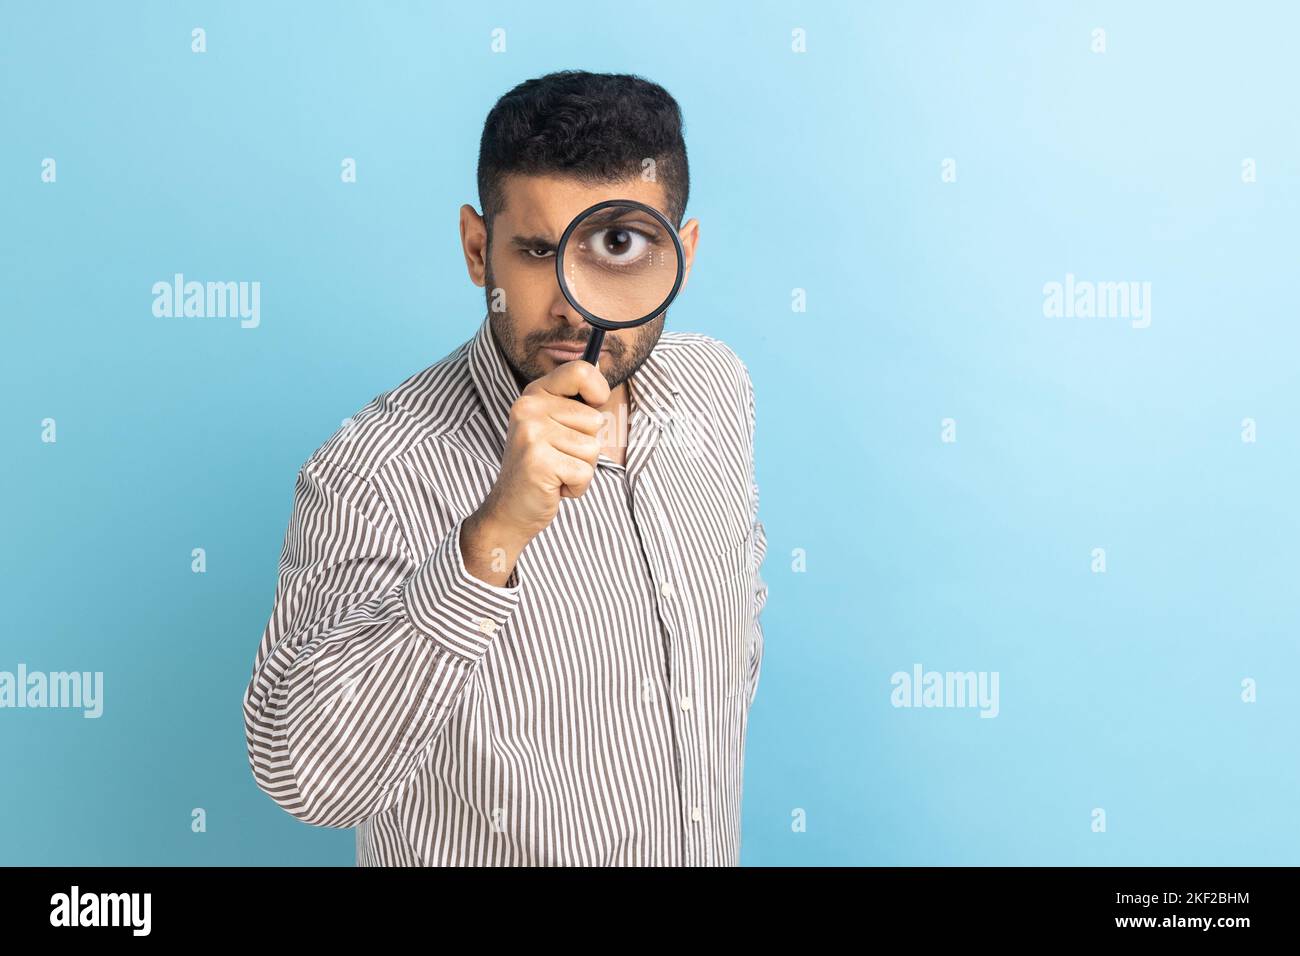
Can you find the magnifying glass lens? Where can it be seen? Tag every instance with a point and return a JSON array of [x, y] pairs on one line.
[[620, 263]]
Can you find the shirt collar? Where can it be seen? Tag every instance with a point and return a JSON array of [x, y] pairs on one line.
[[653, 388]]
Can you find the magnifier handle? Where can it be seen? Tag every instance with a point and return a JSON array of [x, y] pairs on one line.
[[592, 352]]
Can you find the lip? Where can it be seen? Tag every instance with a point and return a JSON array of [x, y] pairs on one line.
[[564, 352]]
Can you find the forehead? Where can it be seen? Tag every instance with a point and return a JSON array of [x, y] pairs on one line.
[[544, 205]]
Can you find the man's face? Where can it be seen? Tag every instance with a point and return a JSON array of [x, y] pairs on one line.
[[528, 313]]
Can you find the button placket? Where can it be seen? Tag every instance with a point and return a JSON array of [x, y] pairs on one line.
[[675, 611]]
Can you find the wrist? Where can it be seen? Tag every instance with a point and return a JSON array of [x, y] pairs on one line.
[[486, 531]]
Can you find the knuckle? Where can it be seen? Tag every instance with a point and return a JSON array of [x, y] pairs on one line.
[[530, 433], [526, 406]]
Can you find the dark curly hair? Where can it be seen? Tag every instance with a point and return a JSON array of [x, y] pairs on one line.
[[597, 127]]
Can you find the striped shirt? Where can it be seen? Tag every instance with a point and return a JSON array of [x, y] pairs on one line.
[[590, 712]]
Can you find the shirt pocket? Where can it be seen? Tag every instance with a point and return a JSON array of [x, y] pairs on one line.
[[734, 559]]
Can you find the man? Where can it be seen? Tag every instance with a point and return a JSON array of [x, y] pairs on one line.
[[517, 615]]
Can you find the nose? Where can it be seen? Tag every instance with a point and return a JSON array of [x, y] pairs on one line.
[[564, 312]]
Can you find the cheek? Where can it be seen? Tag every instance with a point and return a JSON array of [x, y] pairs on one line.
[[638, 341], [528, 288], [627, 341]]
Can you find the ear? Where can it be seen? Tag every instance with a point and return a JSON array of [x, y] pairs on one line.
[[473, 241], [689, 234]]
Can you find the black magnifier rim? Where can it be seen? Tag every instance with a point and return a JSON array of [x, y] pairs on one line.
[[564, 242]]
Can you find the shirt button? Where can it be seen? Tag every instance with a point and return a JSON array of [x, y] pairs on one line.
[[667, 589], [695, 814], [486, 625], [686, 703]]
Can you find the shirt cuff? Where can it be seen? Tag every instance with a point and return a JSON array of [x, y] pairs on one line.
[[449, 605]]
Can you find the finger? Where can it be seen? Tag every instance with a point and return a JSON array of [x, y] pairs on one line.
[[574, 414], [575, 474], [576, 379], [575, 444]]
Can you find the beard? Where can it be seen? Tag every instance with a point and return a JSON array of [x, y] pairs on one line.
[[522, 352]]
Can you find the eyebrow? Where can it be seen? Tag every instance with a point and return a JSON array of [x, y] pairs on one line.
[[531, 242]]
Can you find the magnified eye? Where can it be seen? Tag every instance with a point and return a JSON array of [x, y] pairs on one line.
[[618, 245]]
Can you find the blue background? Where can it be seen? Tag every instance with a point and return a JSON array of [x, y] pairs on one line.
[[818, 171]]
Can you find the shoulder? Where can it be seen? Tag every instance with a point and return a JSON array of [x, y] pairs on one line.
[[703, 363], [428, 404], [710, 374]]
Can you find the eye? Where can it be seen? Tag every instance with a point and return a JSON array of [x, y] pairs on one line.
[[618, 245], [539, 253]]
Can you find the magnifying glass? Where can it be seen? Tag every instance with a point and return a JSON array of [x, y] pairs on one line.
[[619, 264]]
